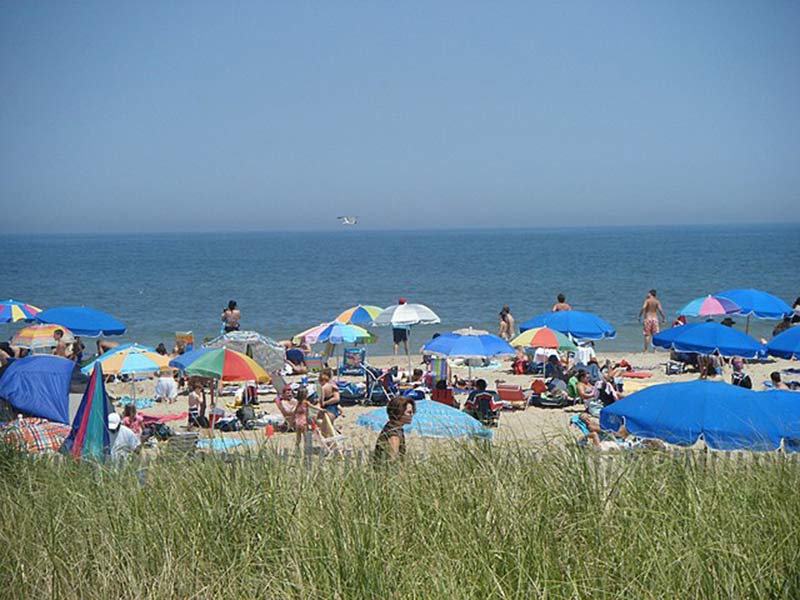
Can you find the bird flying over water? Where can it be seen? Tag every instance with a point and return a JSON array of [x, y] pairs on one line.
[[348, 220]]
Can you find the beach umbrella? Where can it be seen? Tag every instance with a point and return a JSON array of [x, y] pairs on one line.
[[12, 311], [221, 364], [39, 385], [470, 346], [265, 351], [727, 417], [756, 303], [89, 436], [710, 306], [432, 419], [363, 314], [786, 344], [35, 337], [406, 316], [83, 320], [709, 338], [339, 333], [580, 325], [129, 359], [544, 337], [33, 435]]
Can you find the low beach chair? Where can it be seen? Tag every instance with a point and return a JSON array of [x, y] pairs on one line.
[[331, 441], [380, 385], [353, 361], [514, 395]]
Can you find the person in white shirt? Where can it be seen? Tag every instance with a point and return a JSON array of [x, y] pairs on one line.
[[584, 354], [123, 441], [166, 388]]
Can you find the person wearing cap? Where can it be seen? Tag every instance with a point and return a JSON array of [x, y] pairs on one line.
[[728, 322], [400, 333], [123, 441]]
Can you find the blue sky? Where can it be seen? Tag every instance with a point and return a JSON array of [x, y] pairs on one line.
[[193, 116]]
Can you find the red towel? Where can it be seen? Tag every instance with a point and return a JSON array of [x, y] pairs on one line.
[[637, 374], [148, 419]]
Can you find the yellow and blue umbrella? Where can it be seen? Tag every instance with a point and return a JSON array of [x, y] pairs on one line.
[[129, 359], [40, 336], [363, 314], [12, 311]]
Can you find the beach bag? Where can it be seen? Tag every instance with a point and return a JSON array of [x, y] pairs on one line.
[[229, 424], [245, 414]]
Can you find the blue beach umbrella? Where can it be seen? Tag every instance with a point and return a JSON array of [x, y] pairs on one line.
[[454, 345], [727, 417], [708, 338], [342, 333], [82, 320], [786, 344], [432, 419], [578, 324], [758, 304]]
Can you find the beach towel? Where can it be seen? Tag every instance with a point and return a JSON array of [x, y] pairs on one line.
[[637, 374], [139, 402], [148, 419], [223, 443]]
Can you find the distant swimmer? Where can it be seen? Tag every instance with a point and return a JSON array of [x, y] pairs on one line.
[[651, 308], [348, 220], [561, 304]]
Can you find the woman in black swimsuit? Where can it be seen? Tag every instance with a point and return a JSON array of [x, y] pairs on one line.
[[391, 442]]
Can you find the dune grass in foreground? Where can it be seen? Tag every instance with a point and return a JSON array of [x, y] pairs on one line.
[[471, 523]]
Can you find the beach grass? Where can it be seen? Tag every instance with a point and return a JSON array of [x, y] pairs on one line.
[[468, 522]]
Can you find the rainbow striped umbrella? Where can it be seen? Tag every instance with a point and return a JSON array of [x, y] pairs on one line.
[[128, 359], [40, 336], [12, 311], [363, 314], [544, 337], [710, 306], [89, 437], [220, 363]]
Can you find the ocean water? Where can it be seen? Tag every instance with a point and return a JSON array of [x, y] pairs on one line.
[[285, 282]]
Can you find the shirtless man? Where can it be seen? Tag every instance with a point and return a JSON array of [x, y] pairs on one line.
[[561, 304], [231, 316], [61, 347], [651, 308]]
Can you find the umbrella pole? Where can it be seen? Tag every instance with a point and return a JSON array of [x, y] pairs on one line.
[[747, 325], [408, 355]]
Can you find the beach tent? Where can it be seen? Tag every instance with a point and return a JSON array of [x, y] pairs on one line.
[[39, 386], [726, 417], [89, 436], [82, 320]]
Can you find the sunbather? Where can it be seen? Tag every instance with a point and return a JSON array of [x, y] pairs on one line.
[[777, 383], [739, 377]]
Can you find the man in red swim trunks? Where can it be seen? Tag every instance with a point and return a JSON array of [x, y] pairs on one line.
[[651, 308]]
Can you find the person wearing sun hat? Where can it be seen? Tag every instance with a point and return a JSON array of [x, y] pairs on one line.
[[123, 441], [400, 333]]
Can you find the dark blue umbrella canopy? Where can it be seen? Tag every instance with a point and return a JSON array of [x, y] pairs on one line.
[[82, 320], [758, 304], [578, 324], [708, 338], [725, 416], [786, 344]]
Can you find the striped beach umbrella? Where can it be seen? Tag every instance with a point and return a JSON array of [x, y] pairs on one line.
[[12, 311], [710, 306], [544, 337], [128, 359], [220, 363], [34, 337], [363, 314], [90, 437], [334, 333]]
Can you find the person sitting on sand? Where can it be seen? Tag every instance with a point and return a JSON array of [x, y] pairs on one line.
[[553, 369], [300, 415], [132, 420], [777, 383], [561, 304], [473, 404], [391, 444], [197, 407], [739, 377], [710, 365], [329, 394]]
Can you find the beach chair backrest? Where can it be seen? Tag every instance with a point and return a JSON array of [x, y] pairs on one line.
[[510, 393], [314, 363], [353, 361], [185, 339], [440, 371], [444, 396]]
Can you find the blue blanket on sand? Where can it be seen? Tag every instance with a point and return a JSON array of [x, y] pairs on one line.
[[140, 402], [223, 444]]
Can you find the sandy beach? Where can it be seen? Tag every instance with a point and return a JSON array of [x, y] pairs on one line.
[[534, 427]]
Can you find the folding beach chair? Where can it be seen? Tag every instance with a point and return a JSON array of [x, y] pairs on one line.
[[380, 385], [514, 395], [185, 339], [439, 370], [353, 362], [331, 441], [487, 409]]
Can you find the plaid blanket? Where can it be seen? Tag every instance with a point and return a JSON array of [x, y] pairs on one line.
[[35, 436]]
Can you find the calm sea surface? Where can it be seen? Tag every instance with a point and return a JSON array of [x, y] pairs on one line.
[[286, 282]]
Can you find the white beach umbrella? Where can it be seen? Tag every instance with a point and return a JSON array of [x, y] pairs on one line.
[[407, 315]]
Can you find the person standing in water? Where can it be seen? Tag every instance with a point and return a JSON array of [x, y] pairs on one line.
[[651, 308], [561, 304], [230, 317]]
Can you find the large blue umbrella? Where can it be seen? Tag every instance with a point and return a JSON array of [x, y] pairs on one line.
[[454, 345], [758, 304], [580, 325], [82, 320], [786, 344], [726, 416], [432, 419], [708, 338]]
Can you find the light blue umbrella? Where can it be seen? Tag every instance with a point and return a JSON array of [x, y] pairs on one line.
[[432, 419], [727, 417], [709, 338], [578, 324], [786, 344]]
